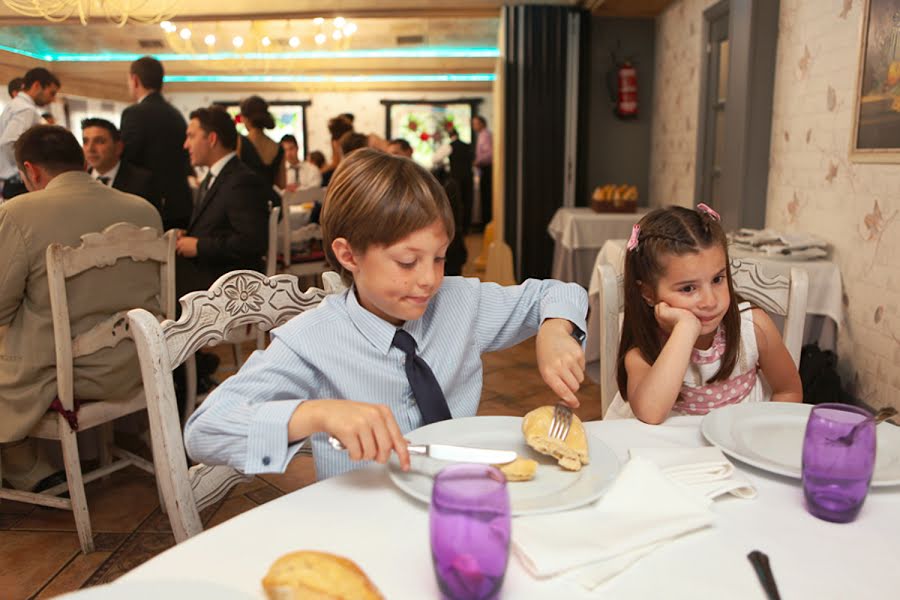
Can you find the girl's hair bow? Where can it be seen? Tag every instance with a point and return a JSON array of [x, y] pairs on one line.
[[706, 209], [633, 240]]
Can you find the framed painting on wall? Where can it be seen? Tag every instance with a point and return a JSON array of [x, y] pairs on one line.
[[876, 118]]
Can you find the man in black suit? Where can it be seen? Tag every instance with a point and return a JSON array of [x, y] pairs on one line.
[[461, 159], [153, 132], [103, 146], [229, 226]]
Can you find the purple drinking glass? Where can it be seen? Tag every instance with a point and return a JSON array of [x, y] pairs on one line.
[[470, 525], [838, 461]]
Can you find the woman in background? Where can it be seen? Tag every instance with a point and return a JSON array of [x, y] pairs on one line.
[[262, 154]]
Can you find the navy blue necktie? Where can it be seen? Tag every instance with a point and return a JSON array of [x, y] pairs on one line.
[[425, 386]]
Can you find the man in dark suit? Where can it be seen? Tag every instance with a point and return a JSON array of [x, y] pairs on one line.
[[153, 132], [103, 146], [461, 159], [229, 226]]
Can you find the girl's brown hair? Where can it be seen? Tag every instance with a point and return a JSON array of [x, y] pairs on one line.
[[664, 232], [378, 199]]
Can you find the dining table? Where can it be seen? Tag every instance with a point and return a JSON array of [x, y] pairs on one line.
[[365, 517], [824, 302]]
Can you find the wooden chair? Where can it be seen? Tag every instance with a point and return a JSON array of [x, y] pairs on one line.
[[235, 300], [776, 294], [97, 250]]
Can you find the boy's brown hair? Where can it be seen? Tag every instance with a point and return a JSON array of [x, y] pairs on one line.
[[375, 199]]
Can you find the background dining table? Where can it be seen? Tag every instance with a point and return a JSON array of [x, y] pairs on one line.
[[362, 515], [824, 303]]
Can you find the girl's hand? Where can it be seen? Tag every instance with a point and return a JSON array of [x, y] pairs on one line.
[[668, 317], [368, 431], [560, 359]]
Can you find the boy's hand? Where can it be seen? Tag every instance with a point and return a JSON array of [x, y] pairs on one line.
[[368, 431], [560, 359], [668, 317]]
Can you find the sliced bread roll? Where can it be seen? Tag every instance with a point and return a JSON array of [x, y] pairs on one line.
[[310, 575], [521, 469], [571, 452]]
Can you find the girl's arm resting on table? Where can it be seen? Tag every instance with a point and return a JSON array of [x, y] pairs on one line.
[[775, 361], [653, 389]]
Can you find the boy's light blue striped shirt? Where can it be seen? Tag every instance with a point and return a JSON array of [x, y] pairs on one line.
[[341, 350]]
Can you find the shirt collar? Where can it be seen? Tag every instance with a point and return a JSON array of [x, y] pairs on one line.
[[379, 332], [69, 178], [111, 173], [26, 99], [217, 166]]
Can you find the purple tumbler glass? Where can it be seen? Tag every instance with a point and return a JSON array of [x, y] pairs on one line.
[[838, 461], [470, 525]]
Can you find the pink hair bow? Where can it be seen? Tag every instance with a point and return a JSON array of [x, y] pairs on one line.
[[704, 208], [633, 240]]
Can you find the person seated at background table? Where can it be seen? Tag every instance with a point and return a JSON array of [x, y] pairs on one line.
[[62, 204], [299, 175], [688, 344], [399, 349], [317, 158], [228, 228], [103, 147], [400, 147], [351, 141]]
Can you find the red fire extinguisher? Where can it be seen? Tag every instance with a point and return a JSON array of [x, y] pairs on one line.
[[624, 90]]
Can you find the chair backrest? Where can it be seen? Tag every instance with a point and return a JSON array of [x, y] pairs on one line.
[[102, 250], [775, 293], [272, 251], [295, 198], [236, 299]]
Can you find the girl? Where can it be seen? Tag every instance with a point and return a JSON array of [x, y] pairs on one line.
[[688, 345]]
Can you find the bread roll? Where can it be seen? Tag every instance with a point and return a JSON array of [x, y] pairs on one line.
[[571, 453], [317, 576], [521, 469]]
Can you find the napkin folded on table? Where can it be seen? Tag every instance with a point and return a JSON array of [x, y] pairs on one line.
[[641, 511], [705, 470]]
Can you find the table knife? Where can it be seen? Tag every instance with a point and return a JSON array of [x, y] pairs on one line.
[[452, 453]]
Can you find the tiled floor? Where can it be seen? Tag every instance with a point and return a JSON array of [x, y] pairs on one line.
[[39, 552]]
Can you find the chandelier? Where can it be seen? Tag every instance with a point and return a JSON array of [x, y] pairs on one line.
[[116, 11]]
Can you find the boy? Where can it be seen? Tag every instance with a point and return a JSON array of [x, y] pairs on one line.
[[353, 368]]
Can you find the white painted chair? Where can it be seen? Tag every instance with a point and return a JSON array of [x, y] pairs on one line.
[[290, 205], [97, 250], [776, 294], [235, 300]]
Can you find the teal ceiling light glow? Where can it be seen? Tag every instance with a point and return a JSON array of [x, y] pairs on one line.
[[387, 78], [424, 52]]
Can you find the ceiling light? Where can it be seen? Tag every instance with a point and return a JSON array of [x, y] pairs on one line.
[[210, 40], [165, 25], [185, 33], [318, 21], [147, 11], [337, 35], [349, 29], [294, 42], [238, 41], [320, 38], [266, 41], [339, 22]]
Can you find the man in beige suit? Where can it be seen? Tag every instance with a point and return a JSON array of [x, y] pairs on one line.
[[63, 204]]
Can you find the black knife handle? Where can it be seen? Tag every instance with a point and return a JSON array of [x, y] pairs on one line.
[[760, 564]]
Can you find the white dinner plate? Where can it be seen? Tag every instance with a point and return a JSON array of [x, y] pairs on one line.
[[769, 435], [553, 489]]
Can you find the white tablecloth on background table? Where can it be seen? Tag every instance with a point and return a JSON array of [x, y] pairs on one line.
[[363, 516], [579, 233], [824, 298]]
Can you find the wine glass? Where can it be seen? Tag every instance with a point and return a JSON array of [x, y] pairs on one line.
[[838, 461], [470, 527]]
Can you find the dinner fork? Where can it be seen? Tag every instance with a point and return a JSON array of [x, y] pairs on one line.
[[562, 421]]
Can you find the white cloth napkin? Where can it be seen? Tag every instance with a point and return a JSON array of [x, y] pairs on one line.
[[704, 470], [642, 510]]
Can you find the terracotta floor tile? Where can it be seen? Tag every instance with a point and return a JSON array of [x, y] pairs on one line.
[[29, 559], [74, 574], [230, 508], [300, 473], [247, 486], [514, 381], [11, 507], [10, 520], [117, 505], [138, 549], [263, 495]]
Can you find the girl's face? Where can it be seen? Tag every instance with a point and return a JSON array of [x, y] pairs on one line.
[[698, 283], [396, 282]]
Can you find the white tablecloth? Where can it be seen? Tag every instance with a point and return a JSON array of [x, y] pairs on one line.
[[362, 516], [579, 233], [825, 296]]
